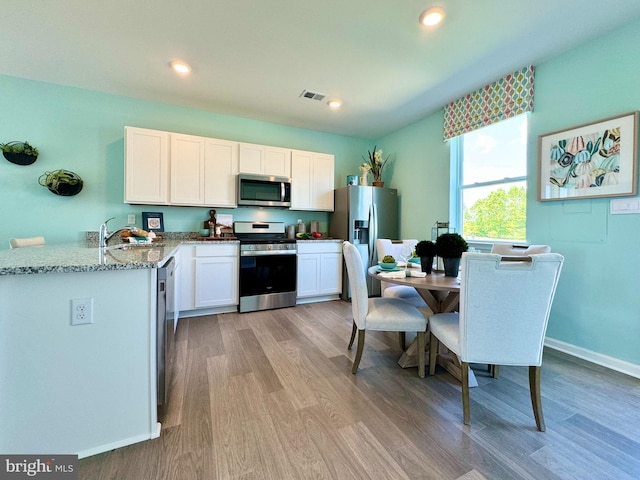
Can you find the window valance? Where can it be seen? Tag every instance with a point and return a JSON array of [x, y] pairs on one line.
[[504, 98]]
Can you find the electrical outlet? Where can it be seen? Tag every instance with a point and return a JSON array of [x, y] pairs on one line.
[[81, 311], [131, 219]]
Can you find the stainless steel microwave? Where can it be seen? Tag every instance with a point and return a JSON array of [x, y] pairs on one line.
[[264, 191]]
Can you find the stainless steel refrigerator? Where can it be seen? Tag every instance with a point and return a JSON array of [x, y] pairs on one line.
[[362, 215]]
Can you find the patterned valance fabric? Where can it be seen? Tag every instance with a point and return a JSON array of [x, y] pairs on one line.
[[505, 98]]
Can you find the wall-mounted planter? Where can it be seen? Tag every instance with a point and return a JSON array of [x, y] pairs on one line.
[[20, 153], [62, 182]]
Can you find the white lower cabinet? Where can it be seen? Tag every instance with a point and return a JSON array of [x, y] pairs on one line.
[[209, 278], [319, 270]]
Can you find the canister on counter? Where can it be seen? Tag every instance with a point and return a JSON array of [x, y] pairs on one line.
[[291, 231], [314, 226]]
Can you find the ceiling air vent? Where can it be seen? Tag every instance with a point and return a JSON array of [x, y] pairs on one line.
[[312, 95]]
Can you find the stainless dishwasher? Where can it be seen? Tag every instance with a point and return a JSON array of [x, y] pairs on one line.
[[165, 328]]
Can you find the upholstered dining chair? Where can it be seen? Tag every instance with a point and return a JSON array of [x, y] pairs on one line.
[[398, 249], [26, 242], [381, 314], [519, 250], [503, 315], [509, 249]]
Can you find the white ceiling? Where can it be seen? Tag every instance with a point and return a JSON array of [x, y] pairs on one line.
[[253, 58]]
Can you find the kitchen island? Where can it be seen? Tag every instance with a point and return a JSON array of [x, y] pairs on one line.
[[78, 389]]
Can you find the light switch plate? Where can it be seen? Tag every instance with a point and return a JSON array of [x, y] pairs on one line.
[[619, 206], [131, 219]]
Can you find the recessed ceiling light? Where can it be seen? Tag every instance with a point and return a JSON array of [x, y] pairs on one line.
[[180, 66], [432, 17], [335, 103]]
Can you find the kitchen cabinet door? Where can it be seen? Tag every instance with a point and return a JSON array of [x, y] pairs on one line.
[[264, 160], [301, 180], [146, 166], [330, 273], [319, 270], [185, 279], [187, 170], [308, 275], [312, 181], [216, 276], [220, 173], [323, 182]]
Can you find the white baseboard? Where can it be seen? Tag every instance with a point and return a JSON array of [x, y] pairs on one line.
[[121, 443], [598, 358]]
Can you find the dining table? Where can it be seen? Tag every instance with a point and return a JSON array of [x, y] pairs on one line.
[[442, 295]]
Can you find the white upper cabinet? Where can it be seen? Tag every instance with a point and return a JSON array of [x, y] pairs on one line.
[[163, 168], [220, 173], [312, 181], [146, 166], [264, 160], [187, 170]]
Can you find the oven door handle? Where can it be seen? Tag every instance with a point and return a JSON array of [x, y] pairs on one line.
[[262, 253]]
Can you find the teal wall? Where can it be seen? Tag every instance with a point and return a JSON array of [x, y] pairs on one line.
[[83, 131], [597, 305]]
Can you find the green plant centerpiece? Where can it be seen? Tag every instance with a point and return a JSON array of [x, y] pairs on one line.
[[388, 262], [426, 250], [450, 247], [20, 153]]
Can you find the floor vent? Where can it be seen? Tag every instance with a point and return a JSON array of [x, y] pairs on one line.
[[312, 95]]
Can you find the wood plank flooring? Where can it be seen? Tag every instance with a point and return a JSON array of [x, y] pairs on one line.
[[270, 395]]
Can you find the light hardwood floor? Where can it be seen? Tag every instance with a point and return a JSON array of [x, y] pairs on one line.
[[270, 395]]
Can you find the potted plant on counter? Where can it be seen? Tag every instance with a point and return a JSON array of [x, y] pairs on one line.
[[426, 250], [450, 247]]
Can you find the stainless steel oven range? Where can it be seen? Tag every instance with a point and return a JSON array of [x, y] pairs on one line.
[[268, 266]]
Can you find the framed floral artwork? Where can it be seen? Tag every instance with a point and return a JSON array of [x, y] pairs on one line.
[[597, 159]]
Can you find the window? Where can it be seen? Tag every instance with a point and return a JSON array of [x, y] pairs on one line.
[[488, 191]]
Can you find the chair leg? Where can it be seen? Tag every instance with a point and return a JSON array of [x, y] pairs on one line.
[[421, 353], [403, 340], [466, 411], [433, 352], [536, 400], [356, 361], [353, 335]]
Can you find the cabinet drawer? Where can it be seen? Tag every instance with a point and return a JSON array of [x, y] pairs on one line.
[[318, 246], [216, 250]]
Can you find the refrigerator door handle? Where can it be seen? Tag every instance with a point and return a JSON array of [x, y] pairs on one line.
[[373, 233]]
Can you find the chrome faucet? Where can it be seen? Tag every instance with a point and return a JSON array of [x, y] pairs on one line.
[[104, 233]]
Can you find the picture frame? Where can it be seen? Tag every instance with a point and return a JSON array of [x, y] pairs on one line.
[[598, 159], [152, 221]]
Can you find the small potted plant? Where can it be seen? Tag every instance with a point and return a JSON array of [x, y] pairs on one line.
[[426, 250], [450, 247], [375, 164], [20, 153], [62, 182]]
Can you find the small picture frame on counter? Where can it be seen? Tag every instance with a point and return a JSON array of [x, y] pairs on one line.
[[152, 221]]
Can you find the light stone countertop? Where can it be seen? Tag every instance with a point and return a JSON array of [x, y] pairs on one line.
[[78, 257]]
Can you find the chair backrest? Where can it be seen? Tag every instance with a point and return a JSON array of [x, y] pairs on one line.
[[518, 250], [358, 284], [397, 248], [26, 242], [505, 307]]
